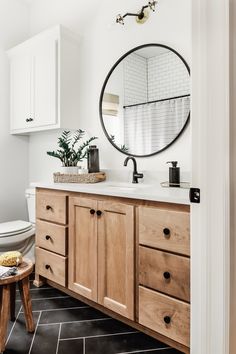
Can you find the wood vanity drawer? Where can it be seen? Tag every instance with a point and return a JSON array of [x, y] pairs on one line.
[[52, 237], [165, 272], [164, 229], [51, 266], [165, 315], [51, 207]]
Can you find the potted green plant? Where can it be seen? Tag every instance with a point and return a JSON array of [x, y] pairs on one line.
[[70, 153]]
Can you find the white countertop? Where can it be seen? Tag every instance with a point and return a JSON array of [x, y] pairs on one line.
[[152, 192]]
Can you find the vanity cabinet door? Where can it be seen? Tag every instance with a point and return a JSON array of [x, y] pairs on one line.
[[83, 247], [116, 257]]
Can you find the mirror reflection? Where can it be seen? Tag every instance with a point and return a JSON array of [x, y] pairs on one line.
[[145, 100]]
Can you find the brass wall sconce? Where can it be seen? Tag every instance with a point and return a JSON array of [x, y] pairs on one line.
[[141, 16]]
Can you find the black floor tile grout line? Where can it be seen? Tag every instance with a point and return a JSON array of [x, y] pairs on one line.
[[62, 308], [99, 336], [59, 334], [78, 321], [145, 350], [36, 289], [47, 298], [35, 331], [13, 325], [84, 346]]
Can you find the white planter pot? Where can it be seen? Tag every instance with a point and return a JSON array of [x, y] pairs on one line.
[[72, 170]]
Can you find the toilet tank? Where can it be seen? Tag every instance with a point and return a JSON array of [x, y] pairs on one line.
[[30, 198]]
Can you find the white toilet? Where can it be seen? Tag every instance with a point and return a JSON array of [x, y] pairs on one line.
[[19, 235]]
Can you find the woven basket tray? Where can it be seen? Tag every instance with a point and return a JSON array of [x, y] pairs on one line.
[[83, 178]]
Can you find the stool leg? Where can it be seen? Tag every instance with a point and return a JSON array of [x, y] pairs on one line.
[[26, 300], [13, 301], [4, 315]]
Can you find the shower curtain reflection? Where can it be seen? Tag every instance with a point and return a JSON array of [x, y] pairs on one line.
[[151, 127]]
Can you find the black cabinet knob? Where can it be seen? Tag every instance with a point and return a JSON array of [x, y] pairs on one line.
[[166, 232], [47, 237], [48, 207], [47, 266], [29, 120], [92, 211], [99, 213], [166, 275], [167, 319]]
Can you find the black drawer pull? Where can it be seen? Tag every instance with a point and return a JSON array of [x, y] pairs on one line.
[[167, 319], [166, 232], [92, 211], [166, 275], [47, 237], [48, 207], [47, 266], [99, 213]]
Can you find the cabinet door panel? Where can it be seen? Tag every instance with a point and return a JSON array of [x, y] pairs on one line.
[[116, 257], [20, 91], [83, 247], [45, 83]]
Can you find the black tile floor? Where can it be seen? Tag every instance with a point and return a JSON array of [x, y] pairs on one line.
[[67, 326]]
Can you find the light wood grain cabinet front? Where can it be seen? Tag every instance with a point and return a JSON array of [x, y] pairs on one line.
[[164, 229], [51, 266], [83, 247], [116, 257], [52, 207], [101, 253], [51, 237], [165, 315], [165, 272]]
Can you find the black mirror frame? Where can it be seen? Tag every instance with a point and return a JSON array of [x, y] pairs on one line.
[[104, 86]]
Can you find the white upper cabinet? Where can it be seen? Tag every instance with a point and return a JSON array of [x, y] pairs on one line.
[[44, 82]]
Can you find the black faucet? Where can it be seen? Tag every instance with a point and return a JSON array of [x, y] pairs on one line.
[[136, 175]]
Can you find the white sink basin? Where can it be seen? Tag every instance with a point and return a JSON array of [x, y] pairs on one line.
[[125, 187]]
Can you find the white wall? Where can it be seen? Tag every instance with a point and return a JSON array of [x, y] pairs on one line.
[[14, 27], [233, 175], [103, 42]]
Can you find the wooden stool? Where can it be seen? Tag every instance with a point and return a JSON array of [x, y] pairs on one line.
[[8, 296]]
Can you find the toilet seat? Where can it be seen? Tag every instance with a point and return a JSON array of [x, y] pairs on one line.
[[16, 227]]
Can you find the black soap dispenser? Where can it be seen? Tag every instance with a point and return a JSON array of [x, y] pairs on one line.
[[93, 159], [174, 174]]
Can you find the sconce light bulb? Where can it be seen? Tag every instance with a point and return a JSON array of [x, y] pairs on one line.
[[120, 19], [152, 5]]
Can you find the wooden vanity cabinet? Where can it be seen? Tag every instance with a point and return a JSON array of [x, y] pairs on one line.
[[101, 253], [128, 258]]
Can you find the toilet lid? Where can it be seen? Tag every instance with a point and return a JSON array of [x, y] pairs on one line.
[[14, 227]]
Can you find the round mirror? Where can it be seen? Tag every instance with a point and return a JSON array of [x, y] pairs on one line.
[[145, 100]]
